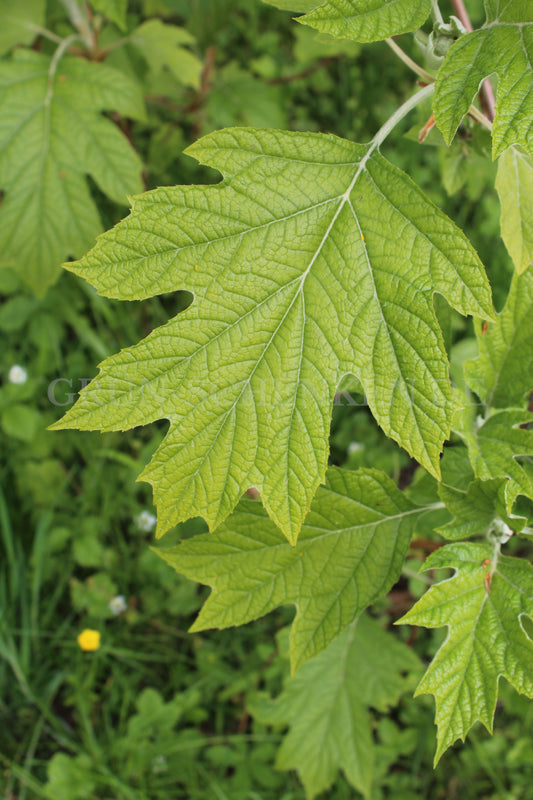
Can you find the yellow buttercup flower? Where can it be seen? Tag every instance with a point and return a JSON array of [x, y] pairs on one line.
[[89, 640]]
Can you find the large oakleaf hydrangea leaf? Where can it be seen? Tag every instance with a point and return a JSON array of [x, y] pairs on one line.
[[367, 20], [485, 638], [350, 552], [315, 257], [327, 706], [502, 374], [503, 46], [52, 134]]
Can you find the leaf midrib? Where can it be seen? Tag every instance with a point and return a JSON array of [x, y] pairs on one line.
[[322, 533]]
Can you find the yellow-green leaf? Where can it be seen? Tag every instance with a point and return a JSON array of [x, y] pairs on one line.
[[314, 258], [350, 552], [481, 606]]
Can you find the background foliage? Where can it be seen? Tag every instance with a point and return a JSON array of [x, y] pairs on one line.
[[158, 712]]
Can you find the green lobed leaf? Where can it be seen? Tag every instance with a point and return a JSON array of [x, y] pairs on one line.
[[20, 421], [19, 20], [312, 259], [502, 374], [69, 777], [368, 20], [238, 95], [327, 706], [350, 552], [310, 46], [503, 46], [514, 183], [476, 509], [495, 444], [162, 45], [52, 134], [115, 10], [485, 636]]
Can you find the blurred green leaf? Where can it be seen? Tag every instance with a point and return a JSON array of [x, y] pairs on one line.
[[93, 595], [162, 46], [70, 778], [15, 312], [20, 19], [54, 108], [327, 706], [367, 20], [21, 421], [115, 10], [294, 5]]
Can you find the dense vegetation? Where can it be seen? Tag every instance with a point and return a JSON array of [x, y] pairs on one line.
[[98, 102]]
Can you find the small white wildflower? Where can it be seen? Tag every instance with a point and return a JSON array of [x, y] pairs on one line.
[[146, 522], [18, 374], [478, 422], [355, 447], [117, 604], [159, 764]]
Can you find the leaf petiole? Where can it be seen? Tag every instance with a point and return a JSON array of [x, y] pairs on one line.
[[399, 114], [38, 30], [402, 55], [79, 19], [435, 10]]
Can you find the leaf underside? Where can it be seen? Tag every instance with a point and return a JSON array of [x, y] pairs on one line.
[[350, 552], [312, 259]]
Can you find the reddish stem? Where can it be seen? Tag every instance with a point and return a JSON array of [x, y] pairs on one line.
[[462, 14]]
